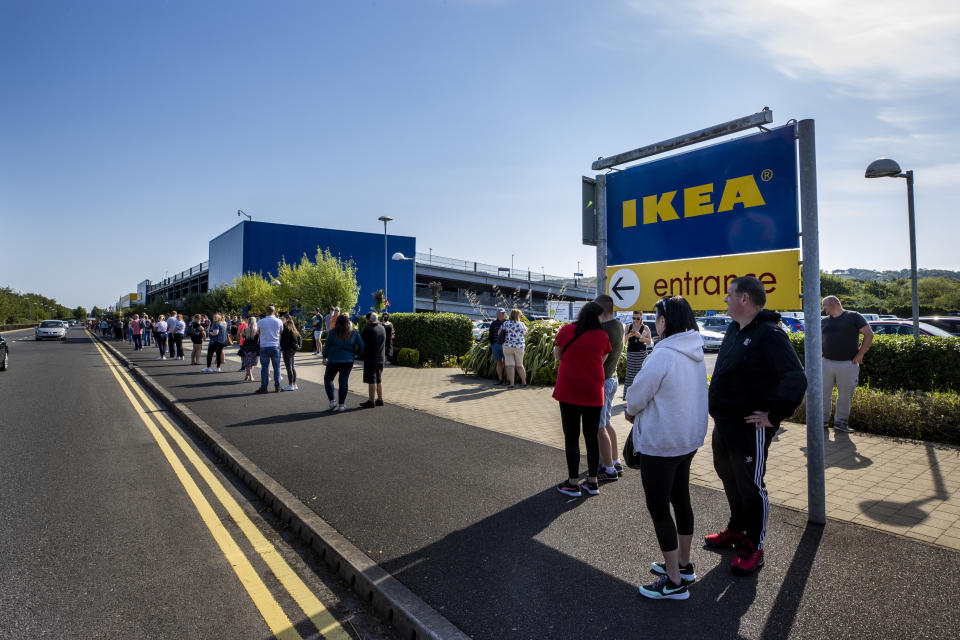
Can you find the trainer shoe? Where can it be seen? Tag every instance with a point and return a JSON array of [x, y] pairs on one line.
[[219, 370], [603, 476], [726, 539], [748, 559], [261, 390], [367, 404], [843, 427], [206, 370], [567, 489], [333, 405], [593, 488], [619, 468], [687, 574], [662, 588], [289, 387], [379, 402], [341, 408]]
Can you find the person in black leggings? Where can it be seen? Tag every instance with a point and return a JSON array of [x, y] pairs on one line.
[[667, 406]]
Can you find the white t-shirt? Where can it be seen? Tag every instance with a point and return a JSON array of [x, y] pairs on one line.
[[161, 327], [270, 328]]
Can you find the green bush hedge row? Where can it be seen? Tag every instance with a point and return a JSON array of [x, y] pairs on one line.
[[433, 335], [903, 363], [932, 416]]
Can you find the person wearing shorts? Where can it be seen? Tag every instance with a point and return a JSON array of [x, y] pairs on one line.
[[318, 323], [374, 339], [610, 466], [496, 346], [514, 339]]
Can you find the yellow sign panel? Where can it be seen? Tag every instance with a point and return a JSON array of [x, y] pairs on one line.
[[704, 281]]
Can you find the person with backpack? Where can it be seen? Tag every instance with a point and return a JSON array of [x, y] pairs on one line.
[[581, 349], [290, 343], [197, 334], [146, 329]]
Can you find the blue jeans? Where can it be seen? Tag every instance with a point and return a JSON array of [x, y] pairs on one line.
[[146, 337], [136, 342], [269, 355], [162, 343]]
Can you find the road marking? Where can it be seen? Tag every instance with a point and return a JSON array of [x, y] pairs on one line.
[[321, 617]]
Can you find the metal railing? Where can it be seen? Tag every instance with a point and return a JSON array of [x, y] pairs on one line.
[[471, 266], [183, 275]]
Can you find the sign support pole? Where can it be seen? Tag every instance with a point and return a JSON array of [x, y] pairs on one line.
[[816, 484], [601, 195]]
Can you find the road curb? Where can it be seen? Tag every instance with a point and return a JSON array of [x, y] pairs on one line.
[[392, 601]]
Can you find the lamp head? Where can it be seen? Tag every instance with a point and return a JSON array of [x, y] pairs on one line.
[[385, 218], [399, 256], [883, 168]]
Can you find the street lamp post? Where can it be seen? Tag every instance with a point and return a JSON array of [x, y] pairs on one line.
[[385, 220], [887, 168]]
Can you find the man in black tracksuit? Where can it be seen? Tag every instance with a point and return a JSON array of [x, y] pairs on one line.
[[757, 382]]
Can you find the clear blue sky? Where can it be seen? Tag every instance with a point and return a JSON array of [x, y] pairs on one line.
[[131, 132]]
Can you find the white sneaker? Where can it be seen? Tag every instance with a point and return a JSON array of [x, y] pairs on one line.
[[218, 370], [333, 405], [289, 387], [160, 358], [206, 370], [294, 387], [341, 408]]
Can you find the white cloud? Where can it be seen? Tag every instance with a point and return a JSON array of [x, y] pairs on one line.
[[870, 48]]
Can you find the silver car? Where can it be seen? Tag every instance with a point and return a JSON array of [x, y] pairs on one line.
[[51, 330]]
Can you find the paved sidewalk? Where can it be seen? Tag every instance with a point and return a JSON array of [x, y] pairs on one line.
[[900, 486]]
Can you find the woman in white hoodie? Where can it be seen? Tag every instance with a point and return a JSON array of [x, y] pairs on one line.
[[667, 404]]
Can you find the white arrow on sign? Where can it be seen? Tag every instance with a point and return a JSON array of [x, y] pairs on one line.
[[624, 288]]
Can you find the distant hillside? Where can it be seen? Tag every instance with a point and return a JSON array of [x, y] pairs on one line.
[[871, 274]]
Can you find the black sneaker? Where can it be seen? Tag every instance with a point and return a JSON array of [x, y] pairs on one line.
[[603, 476], [567, 489], [379, 403], [366, 404], [619, 468], [687, 575], [661, 588], [260, 390], [590, 487], [842, 427]]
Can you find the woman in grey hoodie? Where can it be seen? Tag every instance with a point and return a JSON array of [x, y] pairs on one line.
[[667, 404]]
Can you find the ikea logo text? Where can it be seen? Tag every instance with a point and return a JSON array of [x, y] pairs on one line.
[[697, 201]]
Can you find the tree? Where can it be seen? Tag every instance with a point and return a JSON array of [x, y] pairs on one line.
[[253, 291], [97, 312], [80, 314], [325, 282], [435, 289]]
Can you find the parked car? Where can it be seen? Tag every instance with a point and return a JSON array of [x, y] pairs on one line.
[[794, 325], [950, 324], [715, 323], [905, 328], [51, 330], [479, 328], [711, 338], [3, 354]]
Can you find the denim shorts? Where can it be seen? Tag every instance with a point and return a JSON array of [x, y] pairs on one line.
[[497, 352], [609, 393]]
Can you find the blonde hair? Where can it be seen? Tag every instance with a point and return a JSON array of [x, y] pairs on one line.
[[515, 315], [217, 317], [291, 325], [250, 331]]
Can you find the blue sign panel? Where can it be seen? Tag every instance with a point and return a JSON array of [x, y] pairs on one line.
[[734, 197]]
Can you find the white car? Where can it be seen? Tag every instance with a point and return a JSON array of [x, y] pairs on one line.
[[480, 327], [711, 339], [51, 330]]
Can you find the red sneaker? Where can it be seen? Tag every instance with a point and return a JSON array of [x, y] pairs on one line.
[[748, 559], [726, 539]]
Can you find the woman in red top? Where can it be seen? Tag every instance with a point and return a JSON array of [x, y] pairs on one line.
[[580, 348]]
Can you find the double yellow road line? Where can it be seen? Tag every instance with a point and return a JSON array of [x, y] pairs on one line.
[[156, 419]]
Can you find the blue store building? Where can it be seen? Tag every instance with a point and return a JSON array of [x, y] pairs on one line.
[[258, 247]]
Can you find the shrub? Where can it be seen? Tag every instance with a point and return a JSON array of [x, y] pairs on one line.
[[408, 357], [433, 335], [450, 361], [932, 416], [307, 344], [903, 363]]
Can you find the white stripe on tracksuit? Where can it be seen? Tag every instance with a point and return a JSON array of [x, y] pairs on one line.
[[758, 480]]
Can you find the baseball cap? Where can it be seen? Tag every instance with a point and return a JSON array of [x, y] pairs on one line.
[[501, 310]]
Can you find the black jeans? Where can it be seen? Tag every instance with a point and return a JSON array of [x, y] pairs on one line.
[[340, 370], [215, 348], [571, 416], [178, 341], [740, 458], [288, 355], [666, 481]]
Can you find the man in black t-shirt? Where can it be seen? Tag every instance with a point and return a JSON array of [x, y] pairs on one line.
[[842, 357], [374, 354]]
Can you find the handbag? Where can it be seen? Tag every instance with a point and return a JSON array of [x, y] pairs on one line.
[[631, 457]]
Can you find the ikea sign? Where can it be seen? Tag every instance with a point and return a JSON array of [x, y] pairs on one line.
[[730, 198]]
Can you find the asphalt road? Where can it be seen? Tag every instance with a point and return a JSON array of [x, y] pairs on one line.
[[469, 520], [99, 537]]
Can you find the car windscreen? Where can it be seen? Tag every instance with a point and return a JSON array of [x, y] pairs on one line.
[[51, 324]]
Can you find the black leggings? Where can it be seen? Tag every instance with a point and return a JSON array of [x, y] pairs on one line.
[[215, 348], [288, 356], [341, 371], [570, 417], [666, 481]]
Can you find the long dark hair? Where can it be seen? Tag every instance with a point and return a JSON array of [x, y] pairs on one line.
[[344, 328], [677, 315], [589, 318]]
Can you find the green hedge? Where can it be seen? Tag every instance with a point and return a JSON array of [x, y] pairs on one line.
[[932, 416], [408, 357], [903, 363], [434, 335]]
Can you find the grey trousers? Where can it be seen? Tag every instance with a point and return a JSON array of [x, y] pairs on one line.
[[843, 375]]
